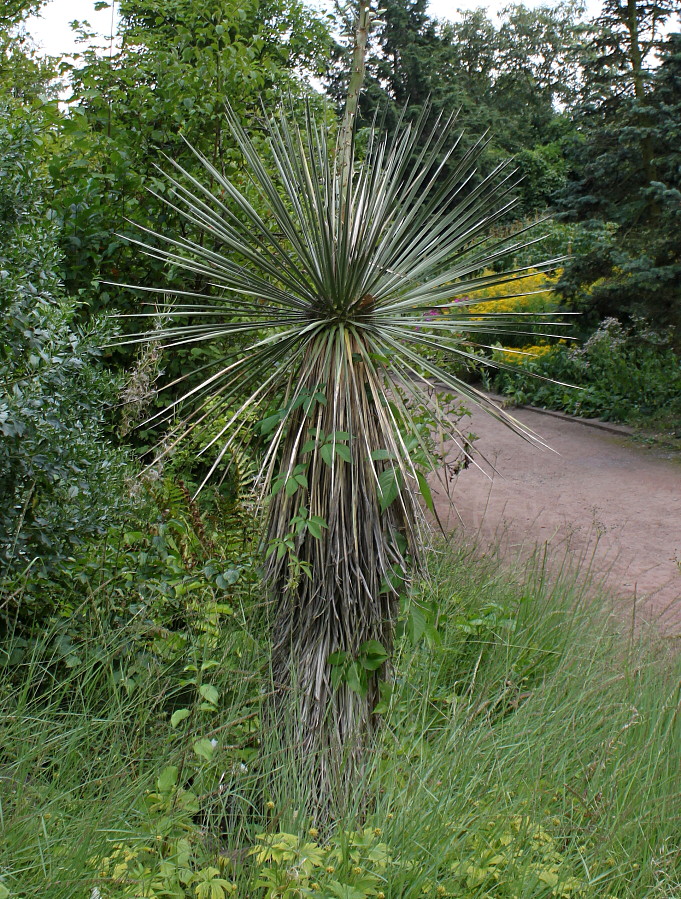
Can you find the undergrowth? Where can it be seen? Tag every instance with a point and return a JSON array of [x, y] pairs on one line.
[[527, 750], [624, 374]]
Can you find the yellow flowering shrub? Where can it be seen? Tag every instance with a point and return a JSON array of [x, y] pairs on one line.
[[522, 355], [539, 286]]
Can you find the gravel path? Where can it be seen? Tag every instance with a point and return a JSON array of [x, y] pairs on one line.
[[600, 498]]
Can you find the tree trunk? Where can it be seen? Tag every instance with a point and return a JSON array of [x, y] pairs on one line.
[[638, 76], [357, 70], [334, 592]]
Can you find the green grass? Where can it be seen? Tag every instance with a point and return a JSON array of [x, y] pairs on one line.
[[528, 750]]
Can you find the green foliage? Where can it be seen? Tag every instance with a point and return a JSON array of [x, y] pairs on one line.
[[25, 75], [171, 861], [60, 481], [619, 60], [625, 374], [356, 671], [505, 78], [178, 65], [351, 866], [133, 756], [146, 647], [118, 696], [624, 185], [485, 780]]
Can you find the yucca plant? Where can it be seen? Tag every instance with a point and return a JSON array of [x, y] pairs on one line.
[[339, 286]]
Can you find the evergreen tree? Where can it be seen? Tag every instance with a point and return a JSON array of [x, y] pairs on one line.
[[619, 59], [506, 81], [626, 173]]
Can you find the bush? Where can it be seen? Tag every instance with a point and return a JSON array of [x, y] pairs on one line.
[[523, 307], [626, 374], [61, 480]]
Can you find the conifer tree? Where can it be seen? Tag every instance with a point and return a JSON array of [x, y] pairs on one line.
[[625, 175]]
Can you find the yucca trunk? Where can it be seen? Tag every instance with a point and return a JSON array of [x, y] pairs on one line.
[[344, 593]]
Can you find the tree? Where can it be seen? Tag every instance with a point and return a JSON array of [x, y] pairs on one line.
[[538, 55], [624, 175], [619, 58], [15, 12], [178, 63], [24, 75], [508, 80]]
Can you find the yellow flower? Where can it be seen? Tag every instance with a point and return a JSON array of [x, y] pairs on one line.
[[523, 355], [313, 832]]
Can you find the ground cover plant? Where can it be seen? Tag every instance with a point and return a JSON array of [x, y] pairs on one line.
[[528, 750], [622, 374]]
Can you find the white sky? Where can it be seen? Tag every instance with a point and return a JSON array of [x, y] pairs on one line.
[[52, 33], [51, 29]]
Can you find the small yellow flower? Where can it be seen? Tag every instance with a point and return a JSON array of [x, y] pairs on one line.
[[380, 895], [377, 831], [313, 832], [330, 869], [441, 890], [357, 870], [269, 805], [390, 816]]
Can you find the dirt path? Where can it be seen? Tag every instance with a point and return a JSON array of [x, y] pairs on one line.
[[600, 498]]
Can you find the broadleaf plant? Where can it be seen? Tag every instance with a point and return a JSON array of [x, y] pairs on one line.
[[330, 293]]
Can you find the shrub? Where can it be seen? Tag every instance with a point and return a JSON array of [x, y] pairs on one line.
[[527, 303], [60, 479], [626, 374]]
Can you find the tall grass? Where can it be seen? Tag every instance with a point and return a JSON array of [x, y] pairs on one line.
[[528, 749], [534, 735]]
